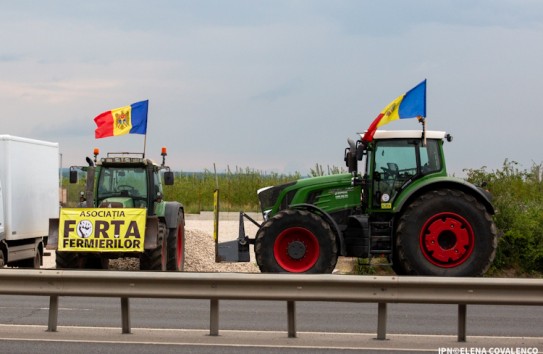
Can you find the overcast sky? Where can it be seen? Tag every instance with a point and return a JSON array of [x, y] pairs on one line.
[[273, 85]]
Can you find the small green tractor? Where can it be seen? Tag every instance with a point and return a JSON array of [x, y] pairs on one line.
[[115, 185], [401, 205]]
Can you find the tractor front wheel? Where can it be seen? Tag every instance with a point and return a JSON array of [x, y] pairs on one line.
[[67, 260], [296, 241], [446, 233], [176, 245], [156, 259]]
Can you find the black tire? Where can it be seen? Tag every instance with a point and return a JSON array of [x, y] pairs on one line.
[[156, 259], [396, 264], [94, 262], [67, 260], [32, 263], [176, 246], [77, 260], [296, 241], [446, 233]]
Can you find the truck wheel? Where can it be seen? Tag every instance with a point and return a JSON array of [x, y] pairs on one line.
[[34, 262], [446, 233], [296, 241], [157, 258], [176, 245]]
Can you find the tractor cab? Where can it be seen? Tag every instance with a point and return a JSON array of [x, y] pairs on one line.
[[127, 180], [394, 160], [131, 184], [124, 180]]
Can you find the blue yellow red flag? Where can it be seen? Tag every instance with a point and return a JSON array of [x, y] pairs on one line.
[[124, 120], [412, 104]]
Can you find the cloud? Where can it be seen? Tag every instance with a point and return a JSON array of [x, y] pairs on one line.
[[276, 85]]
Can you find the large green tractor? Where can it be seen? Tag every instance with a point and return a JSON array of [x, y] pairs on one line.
[[401, 205], [116, 186]]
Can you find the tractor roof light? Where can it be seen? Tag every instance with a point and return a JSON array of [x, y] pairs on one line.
[[96, 152], [164, 153]]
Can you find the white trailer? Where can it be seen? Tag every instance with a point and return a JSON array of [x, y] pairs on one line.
[[29, 197]]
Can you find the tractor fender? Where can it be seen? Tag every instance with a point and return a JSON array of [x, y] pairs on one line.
[[330, 220], [171, 214], [444, 182]]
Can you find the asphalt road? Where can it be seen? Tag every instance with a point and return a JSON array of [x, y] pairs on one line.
[[163, 326]]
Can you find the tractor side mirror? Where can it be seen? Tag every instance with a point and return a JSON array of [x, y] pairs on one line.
[[350, 156], [168, 178], [73, 176], [360, 150]]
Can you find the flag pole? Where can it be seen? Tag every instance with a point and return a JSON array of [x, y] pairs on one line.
[[144, 143], [422, 121]]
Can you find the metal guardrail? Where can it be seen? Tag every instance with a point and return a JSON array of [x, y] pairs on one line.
[[280, 287]]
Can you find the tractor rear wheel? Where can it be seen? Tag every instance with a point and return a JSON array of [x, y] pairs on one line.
[[176, 245], [296, 241], [157, 258], [396, 264], [446, 233]]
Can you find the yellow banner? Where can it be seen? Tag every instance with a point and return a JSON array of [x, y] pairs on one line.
[[102, 230]]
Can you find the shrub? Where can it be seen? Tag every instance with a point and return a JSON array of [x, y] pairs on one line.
[[518, 199]]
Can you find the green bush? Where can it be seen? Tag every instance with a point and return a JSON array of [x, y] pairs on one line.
[[518, 199]]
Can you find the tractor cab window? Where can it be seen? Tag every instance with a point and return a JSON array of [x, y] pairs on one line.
[[123, 182], [157, 185], [430, 158], [396, 161]]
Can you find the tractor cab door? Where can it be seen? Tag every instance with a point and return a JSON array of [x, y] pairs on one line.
[[397, 162]]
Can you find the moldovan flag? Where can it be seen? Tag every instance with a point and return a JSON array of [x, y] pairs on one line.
[[125, 120], [409, 105]]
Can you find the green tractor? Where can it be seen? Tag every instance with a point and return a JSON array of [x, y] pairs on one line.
[[402, 205], [116, 185]]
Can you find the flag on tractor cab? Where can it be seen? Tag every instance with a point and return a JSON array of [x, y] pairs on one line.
[[412, 104], [124, 120]]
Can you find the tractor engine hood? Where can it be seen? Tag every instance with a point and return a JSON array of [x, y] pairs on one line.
[[117, 202]]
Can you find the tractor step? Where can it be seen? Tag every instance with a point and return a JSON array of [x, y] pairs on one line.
[[380, 237]]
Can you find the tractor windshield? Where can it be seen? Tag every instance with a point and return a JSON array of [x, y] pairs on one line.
[[122, 182], [398, 160]]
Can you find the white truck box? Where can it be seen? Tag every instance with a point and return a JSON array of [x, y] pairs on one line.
[[29, 189]]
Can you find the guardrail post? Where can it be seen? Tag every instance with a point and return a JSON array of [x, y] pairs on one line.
[[291, 315], [462, 316], [53, 314], [214, 318], [382, 321], [125, 315]]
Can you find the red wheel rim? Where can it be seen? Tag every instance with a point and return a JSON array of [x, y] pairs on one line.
[[447, 240], [296, 249]]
